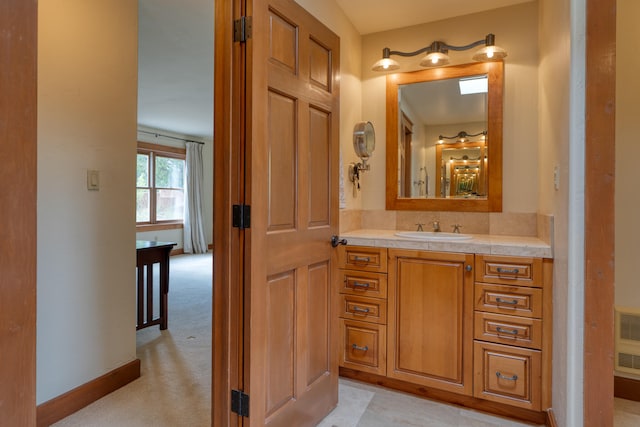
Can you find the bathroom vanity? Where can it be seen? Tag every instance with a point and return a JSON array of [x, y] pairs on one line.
[[464, 321]]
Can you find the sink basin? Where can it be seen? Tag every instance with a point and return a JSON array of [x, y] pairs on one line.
[[433, 236]]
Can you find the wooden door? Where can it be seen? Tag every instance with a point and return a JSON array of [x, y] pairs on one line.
[[292, 142], [430, 325]]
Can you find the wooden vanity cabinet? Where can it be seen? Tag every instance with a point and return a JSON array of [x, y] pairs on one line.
[[362, 308], [430, 323], [470, 329], [512, 322]]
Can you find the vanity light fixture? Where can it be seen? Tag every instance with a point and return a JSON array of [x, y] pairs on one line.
[[436, 54], [462, 136]]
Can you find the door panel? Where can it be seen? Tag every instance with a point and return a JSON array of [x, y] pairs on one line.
[[282, 42], [282, 162], [292, 145], [280, 355], [319, 167], [318, 322]]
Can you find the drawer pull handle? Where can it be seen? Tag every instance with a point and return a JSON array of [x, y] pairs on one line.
[[361, 259], [506, 331], [507, 271], [357, 347], [360, 310], [503, 301], [502, 377], [360, 285]]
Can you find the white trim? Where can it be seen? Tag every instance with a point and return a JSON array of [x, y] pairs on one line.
[[576, 261]]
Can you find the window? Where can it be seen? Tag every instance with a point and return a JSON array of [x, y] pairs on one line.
[[160, 180]]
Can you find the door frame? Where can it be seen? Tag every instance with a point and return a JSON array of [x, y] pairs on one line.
[[599, 212], [18, 196], [229, 177]]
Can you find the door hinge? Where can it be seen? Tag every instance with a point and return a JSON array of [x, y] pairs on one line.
[[242, 29], [240, 403], [241, 216]]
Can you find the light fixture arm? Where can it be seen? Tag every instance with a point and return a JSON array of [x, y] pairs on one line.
[[437, 54], [438, 46]]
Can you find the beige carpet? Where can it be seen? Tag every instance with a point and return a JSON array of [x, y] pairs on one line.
[[175, 386]]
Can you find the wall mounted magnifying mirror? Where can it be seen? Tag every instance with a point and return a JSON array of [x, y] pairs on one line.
[[444, 139], [364, 143]]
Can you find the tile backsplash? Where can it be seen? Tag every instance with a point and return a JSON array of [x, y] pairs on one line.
[[498, 223]]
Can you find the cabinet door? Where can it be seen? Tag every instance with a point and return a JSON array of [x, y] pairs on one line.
[[430, 319]]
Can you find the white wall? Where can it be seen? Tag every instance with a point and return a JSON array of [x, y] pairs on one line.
[[627, 151], [331, 15], [177, 235], [87, 56], [516, 30]]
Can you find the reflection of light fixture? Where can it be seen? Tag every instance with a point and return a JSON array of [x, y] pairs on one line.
[[462, 136], [436, 54]]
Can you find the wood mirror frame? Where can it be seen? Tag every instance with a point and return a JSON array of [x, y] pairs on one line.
[[493, 202]]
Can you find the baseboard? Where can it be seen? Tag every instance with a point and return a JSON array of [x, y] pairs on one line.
[[72, 401], [626, 388], [180, 251], [551, 419]]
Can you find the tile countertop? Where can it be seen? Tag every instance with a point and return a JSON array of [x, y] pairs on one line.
[[479, 244]]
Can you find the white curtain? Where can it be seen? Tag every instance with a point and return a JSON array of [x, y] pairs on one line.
[[195, 240]]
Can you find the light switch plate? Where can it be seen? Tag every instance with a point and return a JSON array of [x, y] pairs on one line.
[[93, 180]]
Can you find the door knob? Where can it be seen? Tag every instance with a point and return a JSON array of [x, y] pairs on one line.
[[335, 241]]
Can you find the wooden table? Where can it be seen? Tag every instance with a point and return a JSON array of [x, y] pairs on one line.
[[149, 253]]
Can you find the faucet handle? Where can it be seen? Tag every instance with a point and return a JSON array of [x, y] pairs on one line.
[[436, 225], [420, 226], [456, 228]]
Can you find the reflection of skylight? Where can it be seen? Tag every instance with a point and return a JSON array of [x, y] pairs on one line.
[[473, 85]]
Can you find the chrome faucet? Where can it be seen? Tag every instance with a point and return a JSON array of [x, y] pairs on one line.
[[456, 228], [420, 227], [436, 226]]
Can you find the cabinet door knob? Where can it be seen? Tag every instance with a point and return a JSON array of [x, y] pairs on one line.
[[357, 347], [506, 331], [502, 377], [360, 285], [468, 267]]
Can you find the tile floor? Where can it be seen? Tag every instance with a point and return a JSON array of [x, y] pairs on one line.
[[364, 405]]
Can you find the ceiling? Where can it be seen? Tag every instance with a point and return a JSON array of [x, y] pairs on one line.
[[372, 16], [175, 52]]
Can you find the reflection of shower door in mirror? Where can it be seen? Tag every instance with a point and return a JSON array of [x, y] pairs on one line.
[[405, 158]]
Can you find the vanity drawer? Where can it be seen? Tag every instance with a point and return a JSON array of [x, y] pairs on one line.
[[509, 270], [363, 346], [508, 375], [511, 300], [363, 283], [511, 330], [363, 258], [363, 308]]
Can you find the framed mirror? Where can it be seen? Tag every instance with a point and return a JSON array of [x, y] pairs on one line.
[[444, 142]]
